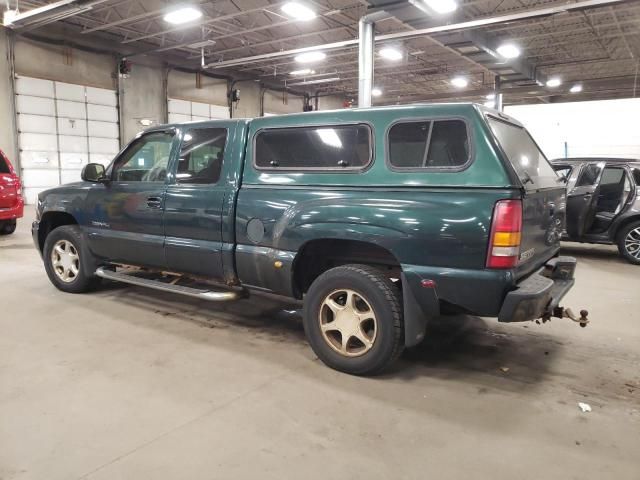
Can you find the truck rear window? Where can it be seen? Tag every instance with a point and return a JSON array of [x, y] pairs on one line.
[[527, 159], [318, 148]]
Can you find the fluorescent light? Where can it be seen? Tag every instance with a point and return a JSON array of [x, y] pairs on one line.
[[459, 82], [554, 82], [490, 104], [313, 82], [390, 53], [442, 6], [298, 11], [577, 88], [376, 92], [182, 15], [309, 57], [202, 44], [8, 16], [491, 96], [304, 71], [508, 50]]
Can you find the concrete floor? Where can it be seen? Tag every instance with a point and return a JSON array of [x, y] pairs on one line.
[[128, 383]]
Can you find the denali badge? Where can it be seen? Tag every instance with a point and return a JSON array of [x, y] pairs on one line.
[[527, 254]]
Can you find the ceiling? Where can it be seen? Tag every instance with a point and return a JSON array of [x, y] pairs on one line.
[[599, 48]]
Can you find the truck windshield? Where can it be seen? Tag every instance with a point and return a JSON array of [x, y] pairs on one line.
[[527, 159]]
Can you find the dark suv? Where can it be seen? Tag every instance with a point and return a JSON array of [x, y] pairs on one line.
[[603, 202]]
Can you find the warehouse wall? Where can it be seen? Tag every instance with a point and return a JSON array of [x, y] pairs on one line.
[[142, 97], [7, 116], [278, 103], [182, 85], [596, 129]]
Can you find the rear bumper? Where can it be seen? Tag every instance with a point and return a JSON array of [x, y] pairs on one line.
[[11, 213], [540, 292]]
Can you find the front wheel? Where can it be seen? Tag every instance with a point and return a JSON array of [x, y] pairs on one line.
[[353, 319], [63, 260], [629, 243], [8, 227]]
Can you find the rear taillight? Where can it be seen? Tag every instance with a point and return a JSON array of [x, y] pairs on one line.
[[506, 231]]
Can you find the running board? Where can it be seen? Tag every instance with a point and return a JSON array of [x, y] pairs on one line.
[[210, 295]]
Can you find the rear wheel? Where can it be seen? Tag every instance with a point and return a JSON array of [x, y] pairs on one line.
[[629, 243], [353, 319], [63, 260], [8, 227]]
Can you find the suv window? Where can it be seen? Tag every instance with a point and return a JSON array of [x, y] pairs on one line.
[[429, 144], [588, 175], [636, 175], [330, 147], [611, 176], [201, 156], [4, 168], [145, 160]]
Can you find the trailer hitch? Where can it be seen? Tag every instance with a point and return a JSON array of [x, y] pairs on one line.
[[561, 312]]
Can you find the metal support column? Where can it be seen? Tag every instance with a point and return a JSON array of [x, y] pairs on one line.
[[498, 94], [366, 27]]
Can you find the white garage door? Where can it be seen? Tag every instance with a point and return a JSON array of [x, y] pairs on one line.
[[61, 127], [186, 111]]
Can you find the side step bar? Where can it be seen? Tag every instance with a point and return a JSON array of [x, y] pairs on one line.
[[210, 295]]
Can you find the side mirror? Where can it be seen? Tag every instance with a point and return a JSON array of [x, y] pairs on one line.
[[93, 172]]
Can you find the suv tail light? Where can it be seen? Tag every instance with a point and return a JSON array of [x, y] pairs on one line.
[[506, 231]]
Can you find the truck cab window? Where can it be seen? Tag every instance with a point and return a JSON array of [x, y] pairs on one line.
[[201, 156], [145, 160]]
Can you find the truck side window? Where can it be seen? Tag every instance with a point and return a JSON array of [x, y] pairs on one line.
[[588, 176], [145, 160], [424, 144], [201, 156], [322, 147]]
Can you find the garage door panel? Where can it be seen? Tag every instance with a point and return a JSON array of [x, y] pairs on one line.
[[73, 144], [36, 87], [101, 96], [38, 142], [70, 91], [35, 105], [218, 112], [179, 118], [73, 160], [70, 175], [103, 158], [41, 160], [104, 145], [102, 113], [199, 119], [40, 178], [103, 129], [179, 106], [200, 109], [36, 124], [31, 194], [69, 109], [72, 126]]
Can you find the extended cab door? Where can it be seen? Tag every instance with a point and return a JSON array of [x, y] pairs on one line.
[[124, 221], [198, 198], [582, 200]]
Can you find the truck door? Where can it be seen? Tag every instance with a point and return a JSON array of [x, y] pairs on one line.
[[195, 200], [124, 216], [582, 200]]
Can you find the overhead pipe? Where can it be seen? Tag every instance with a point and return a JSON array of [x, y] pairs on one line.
[[482, 22]]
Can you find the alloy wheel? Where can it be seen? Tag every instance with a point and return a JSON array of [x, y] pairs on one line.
[[632, 243], [65, 261]]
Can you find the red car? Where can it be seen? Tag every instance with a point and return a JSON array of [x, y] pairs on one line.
[[11, 202]]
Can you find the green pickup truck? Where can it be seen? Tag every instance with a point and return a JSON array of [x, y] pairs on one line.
[[378, 219]]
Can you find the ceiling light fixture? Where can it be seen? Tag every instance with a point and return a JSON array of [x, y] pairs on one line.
[[298, 11], [304, 71], [182, 15], [390, 53], [8, 16], [490, 104], [376, 92], [577, 88], [309, 57], [491, 96], [459, 82], [442, 6], [508, 51], [313, 82], [554, 82]]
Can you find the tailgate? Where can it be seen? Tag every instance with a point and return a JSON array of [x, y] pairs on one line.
[[8, 190]]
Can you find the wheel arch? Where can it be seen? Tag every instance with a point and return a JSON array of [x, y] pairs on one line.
[[50, 221], [624, 223]]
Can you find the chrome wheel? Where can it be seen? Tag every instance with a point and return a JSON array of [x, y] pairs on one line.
[[65, 261], [632, 243], [348, 323]]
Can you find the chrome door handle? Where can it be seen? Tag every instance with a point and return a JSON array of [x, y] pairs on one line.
[[154, 202]]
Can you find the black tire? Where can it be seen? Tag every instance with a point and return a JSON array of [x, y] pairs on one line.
[[380, 295], [8, 227], [627, 235], [81, 281]]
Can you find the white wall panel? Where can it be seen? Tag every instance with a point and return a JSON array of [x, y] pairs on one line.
[[71, 109], [34, 86], [31, 194], [68, 176], [103, 129], [102, 96], [199, 119], [73, 160], [219, 111], [35, 105], [40, 178], [70, 91], [103, 145], [38, 142], [73, 144], [72, 126], [36, 124], [104, 159], [40, 160], [179, 118], [200, 109], [179, 106], [102, 113]]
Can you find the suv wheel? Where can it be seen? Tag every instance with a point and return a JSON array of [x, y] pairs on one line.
[[353, 319], [63, 260], [8, 227], [629, 243]]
